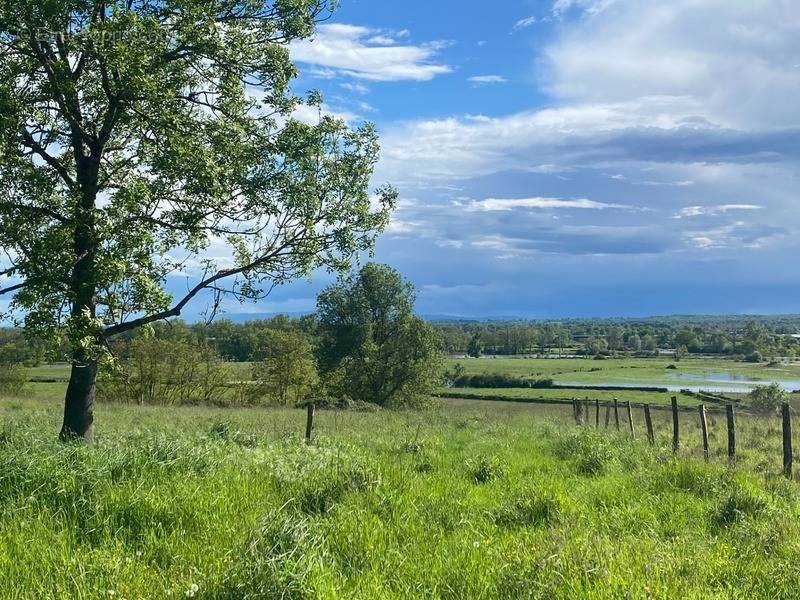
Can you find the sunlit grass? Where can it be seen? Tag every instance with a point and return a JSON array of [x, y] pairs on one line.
[[469, 500]]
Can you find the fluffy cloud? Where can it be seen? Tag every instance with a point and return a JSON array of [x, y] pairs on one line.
[[742, 70], [364, 53]]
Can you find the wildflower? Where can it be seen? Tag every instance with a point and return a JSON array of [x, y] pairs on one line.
[[193, 589], [476, 544]]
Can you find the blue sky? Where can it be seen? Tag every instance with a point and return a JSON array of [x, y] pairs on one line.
[[575, 157]]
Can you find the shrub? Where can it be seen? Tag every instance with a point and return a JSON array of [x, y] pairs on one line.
[[151, 371], [766, 398], [754, 357], [288, 372], [13, 378]]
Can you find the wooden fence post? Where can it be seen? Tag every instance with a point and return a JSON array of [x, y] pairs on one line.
[[787, 440], [309, 420], [648, 421], [731, 432], [704, 429], [676, 438], [597, 413], [608, 412], [616, 413], [630, 418]]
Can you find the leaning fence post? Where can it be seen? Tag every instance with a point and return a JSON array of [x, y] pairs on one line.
[[616, 413], [648, 421], [787, 440], [704, 429], [630, 417], [309, 420], [731, 432], [597, 413], [676, 439]]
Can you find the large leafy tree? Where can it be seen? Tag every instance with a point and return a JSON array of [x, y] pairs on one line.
[[372, 346], [136, 134]]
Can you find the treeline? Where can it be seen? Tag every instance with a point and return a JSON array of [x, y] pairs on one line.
[[751, 340]]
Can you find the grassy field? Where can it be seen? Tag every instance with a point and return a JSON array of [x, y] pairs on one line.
[[651, 371], [468, 500], [620, 371]]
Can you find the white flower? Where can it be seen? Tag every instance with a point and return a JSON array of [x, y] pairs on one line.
[[193, 589]]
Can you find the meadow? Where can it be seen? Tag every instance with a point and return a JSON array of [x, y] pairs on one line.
[[469, 499], [690, 372]]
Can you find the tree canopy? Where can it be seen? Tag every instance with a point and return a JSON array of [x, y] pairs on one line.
[[142, 138], [372, 346]]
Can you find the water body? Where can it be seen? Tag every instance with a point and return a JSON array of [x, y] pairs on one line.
[[717, 381]]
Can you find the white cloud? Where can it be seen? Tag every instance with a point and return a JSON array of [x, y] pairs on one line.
[[486, 79], [469, 146], [506, 204], [734, 235], [721, 209], [358, 88], [368, 54], [524, 23], [740, 70], [589, 7]]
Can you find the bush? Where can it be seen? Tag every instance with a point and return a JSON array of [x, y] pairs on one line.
[[754, 357], [153, 371], [288, 372], [13, 378], [767, 398]]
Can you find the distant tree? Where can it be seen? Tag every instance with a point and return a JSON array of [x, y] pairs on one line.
[[372, 347], [287, 373], [681, 352], [595, 345], [563, 339], [649, 343], [475, 346], [545, 338], [133, 135], [615, 338]]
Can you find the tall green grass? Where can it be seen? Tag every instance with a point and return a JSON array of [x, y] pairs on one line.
[[464, 501]]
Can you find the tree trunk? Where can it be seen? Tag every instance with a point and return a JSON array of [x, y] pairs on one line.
[[79, 401]]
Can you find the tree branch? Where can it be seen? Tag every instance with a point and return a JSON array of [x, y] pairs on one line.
[[35, 209], [13, 288], [175, 311], [48, 158]]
